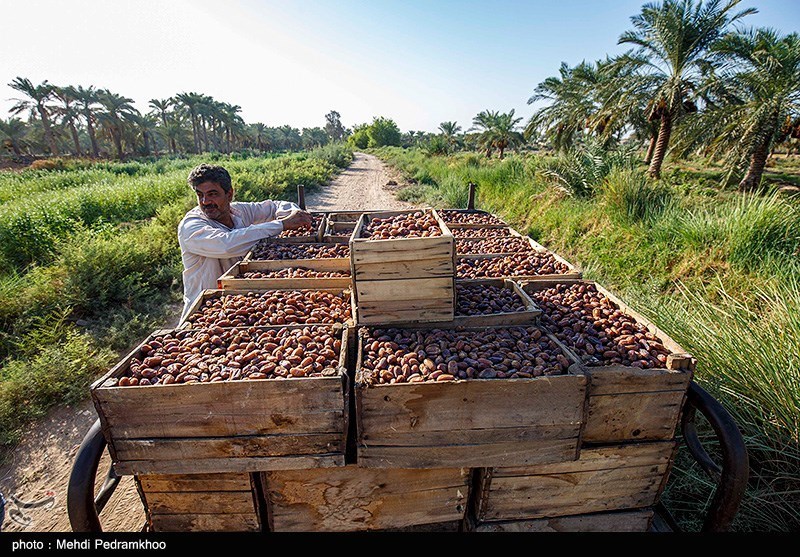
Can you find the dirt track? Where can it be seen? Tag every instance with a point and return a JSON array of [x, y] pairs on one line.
[[41, 465]]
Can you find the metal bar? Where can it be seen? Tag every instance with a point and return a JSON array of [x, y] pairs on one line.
[[471, 203], [81, 505], [735, 463], [301, 196], [111, 483]]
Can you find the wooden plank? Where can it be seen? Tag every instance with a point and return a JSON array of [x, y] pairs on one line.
[[612, 380], [416, 268], [459, 436], [351, 498], [485, 454], [620, 521], [573, 492], [242, 522], [632, 416], [618, 456], [195, 482], [404, 289], [221, 465], [220, 425], [472, 404], [250, 446], [382, 317], [200, 502]]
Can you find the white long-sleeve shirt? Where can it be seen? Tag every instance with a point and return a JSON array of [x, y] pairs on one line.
[[209, 248]]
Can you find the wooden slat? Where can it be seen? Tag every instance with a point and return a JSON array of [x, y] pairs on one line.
[[612, 380], [600, 458], [472, 404], [176, 425], [352, 498], [242, 522], [509, 453], [404, 289], [621, 521], [237, 447], [221, 465], [573, 492], [364, 251], [459, 436], [634, 416], [195, 482], [200, 502], [416, 268]]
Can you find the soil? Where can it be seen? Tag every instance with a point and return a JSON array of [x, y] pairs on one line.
[[40, 466]]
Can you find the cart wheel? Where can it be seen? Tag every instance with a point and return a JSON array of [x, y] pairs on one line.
[[83, 505]]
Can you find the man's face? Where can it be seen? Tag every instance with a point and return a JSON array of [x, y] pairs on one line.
[[214, 201]]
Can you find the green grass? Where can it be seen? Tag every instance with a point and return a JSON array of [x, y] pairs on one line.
[[92, 265], [716, 270]]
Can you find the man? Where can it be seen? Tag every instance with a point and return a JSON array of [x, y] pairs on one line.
[[218, 232]]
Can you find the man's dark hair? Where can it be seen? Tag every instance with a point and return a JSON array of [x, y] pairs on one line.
[[210, 173]]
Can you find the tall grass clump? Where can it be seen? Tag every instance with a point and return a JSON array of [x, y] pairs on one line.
[[747, 358], [580, 172], [630, 197]]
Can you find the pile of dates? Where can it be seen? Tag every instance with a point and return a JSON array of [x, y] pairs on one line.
[[216, 354], [273, 307], [458, 217], [294, 272], [480, 232], [510, 244], [304, 231], [514, 265], [594, 327], [416, 356], [270, 250], [478, 299], [419, 224]]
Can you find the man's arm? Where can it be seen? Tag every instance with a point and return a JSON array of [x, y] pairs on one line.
[[198, 237], [268, 210]]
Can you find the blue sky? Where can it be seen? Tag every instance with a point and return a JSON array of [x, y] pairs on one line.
[[292, 61]]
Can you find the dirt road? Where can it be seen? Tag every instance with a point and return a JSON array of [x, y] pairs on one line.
[[40, 466], [362, 187]]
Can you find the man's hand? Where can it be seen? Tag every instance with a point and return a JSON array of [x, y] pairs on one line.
[[296, 219]]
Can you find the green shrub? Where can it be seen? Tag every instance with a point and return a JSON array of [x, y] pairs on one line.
[[582, 171]]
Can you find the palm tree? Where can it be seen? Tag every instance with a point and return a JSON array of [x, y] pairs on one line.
[[505, 134], [672, 39], [38, 96], [260, 134], [450, 132], [752, 98], [161, 107], [192, 102], [13, 132], [118, 111], [484, 122], [88, 100], [69, 112], [172, 131]]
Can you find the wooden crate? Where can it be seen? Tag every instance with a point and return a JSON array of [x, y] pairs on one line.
[[628, 403], [619, 521], [200, 502], [211, 294], [229, 426], [350, 498], [344, 216], [572, 272], [499, 224], [338, 231], [473, 422], [405, 279], [528, 317], [231, 280], [604, 478], [315, 236]]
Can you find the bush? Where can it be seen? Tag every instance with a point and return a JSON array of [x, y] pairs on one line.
[[383, 131]]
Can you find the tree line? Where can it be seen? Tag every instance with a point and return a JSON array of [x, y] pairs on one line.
[[96, 122]]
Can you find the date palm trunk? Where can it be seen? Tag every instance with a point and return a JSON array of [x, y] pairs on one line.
[[650, 148], [662, 143], [75, 139], [755, 171], [92, 137], [48, 130]]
